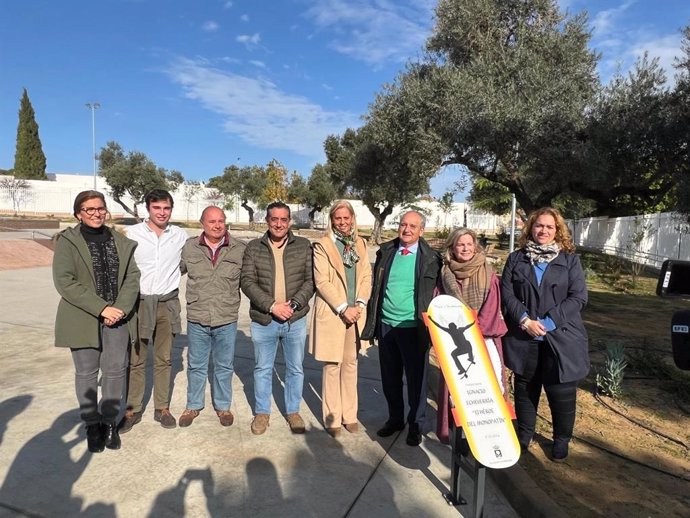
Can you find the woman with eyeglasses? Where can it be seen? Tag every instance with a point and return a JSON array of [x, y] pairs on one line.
[[95, 274], [544, 291]]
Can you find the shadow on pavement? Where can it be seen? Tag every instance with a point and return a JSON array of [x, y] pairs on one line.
[[11, 408], [48, 457]]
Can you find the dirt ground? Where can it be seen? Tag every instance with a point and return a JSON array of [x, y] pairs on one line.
[[617, 468]]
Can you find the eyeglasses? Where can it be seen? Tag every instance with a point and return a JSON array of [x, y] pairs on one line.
[[92, 210]]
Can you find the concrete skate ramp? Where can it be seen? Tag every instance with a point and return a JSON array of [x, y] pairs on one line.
[[25, 253]]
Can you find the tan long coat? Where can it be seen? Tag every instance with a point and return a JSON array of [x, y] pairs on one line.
[[327, 336]]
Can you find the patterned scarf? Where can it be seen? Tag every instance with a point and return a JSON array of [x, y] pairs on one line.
[[541, 253], [350, 257], [468, 281]]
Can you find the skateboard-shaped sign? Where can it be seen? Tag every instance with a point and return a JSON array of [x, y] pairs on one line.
[[480, 408]]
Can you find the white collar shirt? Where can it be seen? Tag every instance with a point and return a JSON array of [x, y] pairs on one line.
[[158, 258], [412, 248]]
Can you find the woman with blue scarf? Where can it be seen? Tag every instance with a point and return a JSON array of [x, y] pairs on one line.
[[543, 291]]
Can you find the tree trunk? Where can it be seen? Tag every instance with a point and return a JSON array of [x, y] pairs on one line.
[[249, 210], [133, 212], [379, 220], [312, 214]]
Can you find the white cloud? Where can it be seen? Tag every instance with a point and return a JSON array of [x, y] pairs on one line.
[[621, 39], [257, 63], [257, 111], [374, 31], [607, 20], [666, 48], [249, 40], [244, 18], [227, 5], [210, 26]]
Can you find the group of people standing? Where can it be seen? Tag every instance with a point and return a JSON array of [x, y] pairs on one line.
[[120, 297], [530, 320]]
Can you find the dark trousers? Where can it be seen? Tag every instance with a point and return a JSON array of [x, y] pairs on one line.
[[400, 353], [111, 360], [541, 370]]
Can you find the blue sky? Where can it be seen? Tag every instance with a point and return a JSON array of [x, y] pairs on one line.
[[200, 85]]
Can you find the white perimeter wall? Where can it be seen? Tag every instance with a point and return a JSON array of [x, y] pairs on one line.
[[56, 196], [666, 236]]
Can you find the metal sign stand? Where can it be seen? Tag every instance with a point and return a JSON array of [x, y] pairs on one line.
[[460, 451]]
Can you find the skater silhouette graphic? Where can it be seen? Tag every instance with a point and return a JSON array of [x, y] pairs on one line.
[[462, 345]]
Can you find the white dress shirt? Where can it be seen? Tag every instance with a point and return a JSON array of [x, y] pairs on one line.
[[158, 258]]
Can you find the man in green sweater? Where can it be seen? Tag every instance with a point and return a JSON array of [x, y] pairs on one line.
[[405, 275]]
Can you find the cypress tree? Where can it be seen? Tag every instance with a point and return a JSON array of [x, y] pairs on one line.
[[29, 159]]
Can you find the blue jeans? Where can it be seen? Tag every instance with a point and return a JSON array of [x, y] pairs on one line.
[[293, 337], [219, 344]]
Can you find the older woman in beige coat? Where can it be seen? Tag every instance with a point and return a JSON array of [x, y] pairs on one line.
[[342, 274]]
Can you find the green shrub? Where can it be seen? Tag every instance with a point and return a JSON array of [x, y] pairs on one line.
[[443, 233], [610, 378]]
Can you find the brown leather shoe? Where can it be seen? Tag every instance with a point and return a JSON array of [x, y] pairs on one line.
[[260, 423], [351, 427], [333, 432], [224, 416], [129, 420], [296, 423], [188, 417], [165, 418]]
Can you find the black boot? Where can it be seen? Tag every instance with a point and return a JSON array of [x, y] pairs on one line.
[[111, 436], [95, 438]]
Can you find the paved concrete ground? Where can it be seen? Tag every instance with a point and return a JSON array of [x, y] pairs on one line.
[[203, 470]]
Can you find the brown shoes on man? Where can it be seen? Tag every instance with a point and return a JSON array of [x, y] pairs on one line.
[[188, 417], [296, 423], [225, 417], [260, 423], [129, 420], [165, 418], [162, 416]]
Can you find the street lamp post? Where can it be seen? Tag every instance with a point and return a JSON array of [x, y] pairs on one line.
[[93, 107]]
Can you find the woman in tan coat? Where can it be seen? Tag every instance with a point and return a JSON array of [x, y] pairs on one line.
[[342, 274]]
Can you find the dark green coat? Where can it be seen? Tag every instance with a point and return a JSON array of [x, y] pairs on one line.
[[77, 324]]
